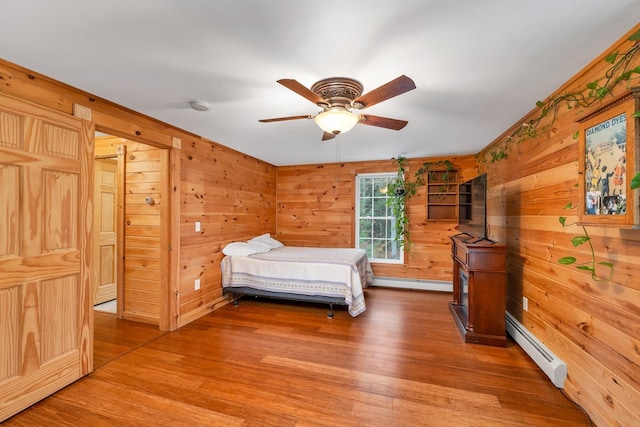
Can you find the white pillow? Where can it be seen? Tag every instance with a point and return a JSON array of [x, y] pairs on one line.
[[243, 249], [266, 240], [262, 236]]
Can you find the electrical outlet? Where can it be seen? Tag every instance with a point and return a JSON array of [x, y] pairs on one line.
[[525, 303], [197, 226], [197, 284]]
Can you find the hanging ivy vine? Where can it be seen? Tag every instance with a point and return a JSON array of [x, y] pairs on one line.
[[623, 69], [591, 265], [401, 189]]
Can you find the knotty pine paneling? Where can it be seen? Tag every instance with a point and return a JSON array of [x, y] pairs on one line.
[[212, 181], [594, 326], [234, 198], [142, 227], [232, 194], [316, 205]]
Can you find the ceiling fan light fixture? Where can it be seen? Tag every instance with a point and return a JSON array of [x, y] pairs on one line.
[[336, 120]]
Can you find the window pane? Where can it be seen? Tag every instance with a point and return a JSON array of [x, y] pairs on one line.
[[375, 222], [391, 233], [365, 228], [366, 206], [379, 249], [379, 228], [380, 207], [365, 187], [394, 250], [366, 245], [379, 184], [388, 248]]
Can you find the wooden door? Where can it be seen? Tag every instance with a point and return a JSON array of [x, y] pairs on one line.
[[46, 185], [106, 192]]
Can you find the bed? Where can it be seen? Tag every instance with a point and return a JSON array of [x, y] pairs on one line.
[[263, 267]]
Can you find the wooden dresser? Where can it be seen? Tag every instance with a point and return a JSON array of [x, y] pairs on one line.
[[479, 289]]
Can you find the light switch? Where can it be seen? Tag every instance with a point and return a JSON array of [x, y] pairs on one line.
[[197, 226]]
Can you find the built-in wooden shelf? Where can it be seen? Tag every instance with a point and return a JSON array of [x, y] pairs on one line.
[[442, 195]]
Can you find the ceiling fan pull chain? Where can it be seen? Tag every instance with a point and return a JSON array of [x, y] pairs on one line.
[[337, 163]]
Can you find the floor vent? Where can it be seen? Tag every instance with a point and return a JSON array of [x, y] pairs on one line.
[[555, 368]]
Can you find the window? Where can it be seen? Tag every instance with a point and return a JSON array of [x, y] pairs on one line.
[[375, 224]]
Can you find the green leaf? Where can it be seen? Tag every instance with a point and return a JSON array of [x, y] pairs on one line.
[[586, 268], [602, 92], [562, 219], [569, 205], [625, 76], [635, 36], [576, 135], [636, 114], [567, 260], [611, 58], [540, 104], [635, 181], [592, 85], [579, 240], [606, 264]]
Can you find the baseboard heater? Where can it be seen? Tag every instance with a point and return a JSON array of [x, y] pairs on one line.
[[550, 364], [419, 284]]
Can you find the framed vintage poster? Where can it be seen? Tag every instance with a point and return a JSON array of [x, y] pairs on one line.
[[608, 161]]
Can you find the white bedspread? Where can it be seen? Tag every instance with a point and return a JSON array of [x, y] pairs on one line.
[[333, 272]]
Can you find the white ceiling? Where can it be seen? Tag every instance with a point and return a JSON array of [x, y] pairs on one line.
[[479, 65]]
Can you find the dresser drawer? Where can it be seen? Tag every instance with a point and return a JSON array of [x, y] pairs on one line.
[[462, 254]]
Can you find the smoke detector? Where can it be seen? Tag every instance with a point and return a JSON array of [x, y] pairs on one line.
[[200, 105]]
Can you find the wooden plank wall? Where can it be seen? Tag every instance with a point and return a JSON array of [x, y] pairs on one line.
[[232, 194], [233, 197], [316, 205], [142, 226], [594, 327]]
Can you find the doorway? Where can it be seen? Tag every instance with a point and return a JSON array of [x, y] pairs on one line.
[[131, 183], [108, 219], [106, 198]]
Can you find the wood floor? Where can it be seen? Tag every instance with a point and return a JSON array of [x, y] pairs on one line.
[[114, 337], [265, 363]]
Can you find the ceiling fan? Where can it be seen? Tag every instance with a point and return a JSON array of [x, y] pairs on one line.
[[338, 96]]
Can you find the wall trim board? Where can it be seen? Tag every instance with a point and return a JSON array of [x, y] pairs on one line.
[[202, 311]]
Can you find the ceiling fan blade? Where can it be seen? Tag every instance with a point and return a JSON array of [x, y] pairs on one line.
[[301, 90], [388, 90], [327, 136], [281, 119], [383, 122]]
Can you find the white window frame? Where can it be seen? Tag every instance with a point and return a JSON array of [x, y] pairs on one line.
[[399, 247]]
